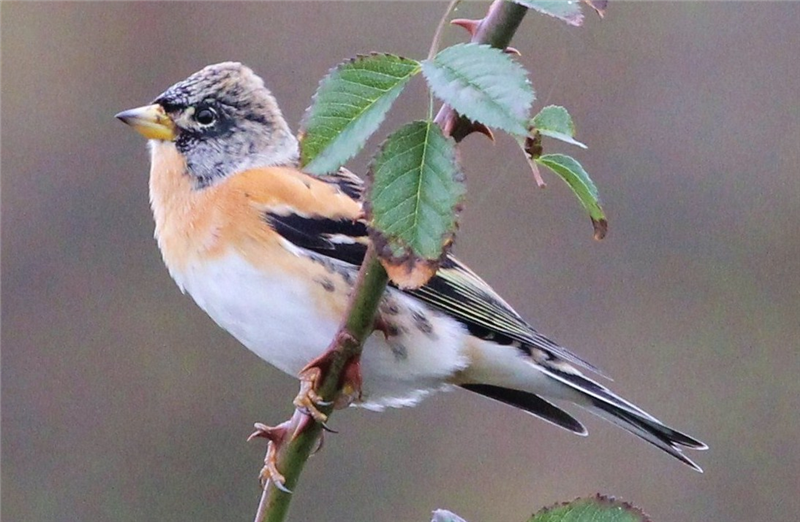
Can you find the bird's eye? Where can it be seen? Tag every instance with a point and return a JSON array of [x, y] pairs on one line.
[[205, 116]]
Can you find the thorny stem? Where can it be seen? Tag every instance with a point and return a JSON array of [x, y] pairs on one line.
[[347, 343], [496, 29]]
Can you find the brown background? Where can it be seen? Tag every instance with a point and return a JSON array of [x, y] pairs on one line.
[[122, 401]]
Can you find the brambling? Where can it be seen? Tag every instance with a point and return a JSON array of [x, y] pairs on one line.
[[272, 253]]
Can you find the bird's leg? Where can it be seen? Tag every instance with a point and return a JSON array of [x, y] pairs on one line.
[[276, 436], [311, 377]]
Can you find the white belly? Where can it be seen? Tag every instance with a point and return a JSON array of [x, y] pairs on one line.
[[276, 318]]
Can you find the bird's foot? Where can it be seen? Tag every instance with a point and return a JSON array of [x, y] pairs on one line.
[[308, 400], [311, 377], [276, 436]]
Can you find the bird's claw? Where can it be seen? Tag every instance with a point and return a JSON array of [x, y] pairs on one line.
[[328, 428], [269, 473], [276, 436], [308, 400]]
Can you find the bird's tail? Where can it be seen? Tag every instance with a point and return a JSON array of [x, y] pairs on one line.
[[653, 431], [604, 403], [572, 386], [531, 403]]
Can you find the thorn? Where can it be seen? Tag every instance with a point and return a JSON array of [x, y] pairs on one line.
[[470, 25], [480, 128], [512, 50], [449, 122], [328, 428]]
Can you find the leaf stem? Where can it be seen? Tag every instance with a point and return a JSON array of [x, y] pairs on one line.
[[437, 36]]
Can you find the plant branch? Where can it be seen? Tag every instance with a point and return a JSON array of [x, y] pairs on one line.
[[496, 29], [304, 435]]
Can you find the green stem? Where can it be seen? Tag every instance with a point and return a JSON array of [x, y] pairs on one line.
[[500, 24], [496, 29], [304, 435]]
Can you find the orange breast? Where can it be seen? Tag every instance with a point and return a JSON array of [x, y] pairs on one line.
[[193, 224]]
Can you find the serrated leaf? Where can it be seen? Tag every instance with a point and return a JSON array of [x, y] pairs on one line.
[[566, 10], [579, 181], [442, 515], [349, 105], [554, 121], [482, 83], [595, 509], [415, 190]]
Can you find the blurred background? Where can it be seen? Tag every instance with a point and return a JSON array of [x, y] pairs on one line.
[[123, 401]]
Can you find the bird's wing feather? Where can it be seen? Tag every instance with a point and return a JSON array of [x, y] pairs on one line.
[[460, 292], [455, 289], [347, 182]]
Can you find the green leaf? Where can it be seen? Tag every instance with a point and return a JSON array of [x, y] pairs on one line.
[[554, 121], [482, 83], [579, 181], [566, 10], [350, 104], [595, 509], [414, 193]]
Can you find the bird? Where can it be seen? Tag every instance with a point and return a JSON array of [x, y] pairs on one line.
[[271, 254]]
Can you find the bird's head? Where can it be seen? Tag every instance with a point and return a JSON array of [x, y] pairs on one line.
[[222, 120]]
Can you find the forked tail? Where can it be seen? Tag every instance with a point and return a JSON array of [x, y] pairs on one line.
[[600, 401]]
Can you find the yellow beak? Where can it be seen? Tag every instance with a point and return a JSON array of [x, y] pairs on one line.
[[150, 121]]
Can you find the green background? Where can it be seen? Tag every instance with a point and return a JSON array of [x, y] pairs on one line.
[[122, 401]]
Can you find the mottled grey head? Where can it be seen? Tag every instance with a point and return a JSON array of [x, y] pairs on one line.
[[222, 119]]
